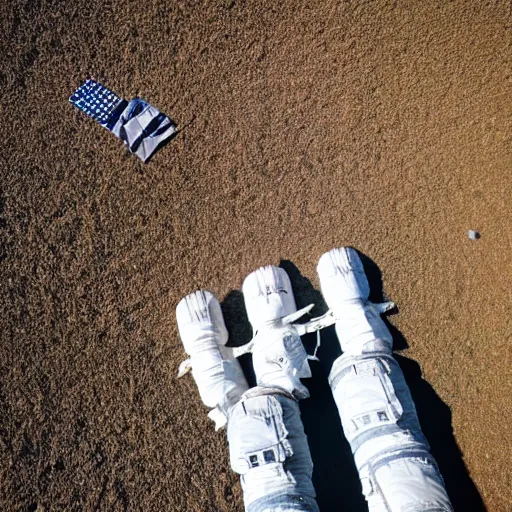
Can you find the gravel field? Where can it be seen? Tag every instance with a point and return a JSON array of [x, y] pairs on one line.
[[384, 125]]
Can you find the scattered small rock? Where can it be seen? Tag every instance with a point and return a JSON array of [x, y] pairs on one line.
[[473, 235]]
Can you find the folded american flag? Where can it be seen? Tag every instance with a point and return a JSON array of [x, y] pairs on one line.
[[142, 127]]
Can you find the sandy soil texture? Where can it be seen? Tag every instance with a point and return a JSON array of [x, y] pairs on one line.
[[385, 125]]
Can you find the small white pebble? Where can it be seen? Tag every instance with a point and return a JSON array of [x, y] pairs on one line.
[[473, 235]]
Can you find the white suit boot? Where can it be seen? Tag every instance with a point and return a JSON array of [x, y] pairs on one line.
[[219, 377], [278, 355]]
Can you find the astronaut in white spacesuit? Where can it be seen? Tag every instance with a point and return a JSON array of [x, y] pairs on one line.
[[267, 443]]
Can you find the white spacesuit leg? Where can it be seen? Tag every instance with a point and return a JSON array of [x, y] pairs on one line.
[[397, 471], [267, 443]]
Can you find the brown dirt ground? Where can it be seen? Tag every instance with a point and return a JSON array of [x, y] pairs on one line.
[[385, 125]]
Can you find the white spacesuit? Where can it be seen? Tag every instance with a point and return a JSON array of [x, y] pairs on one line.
[[267, 443]]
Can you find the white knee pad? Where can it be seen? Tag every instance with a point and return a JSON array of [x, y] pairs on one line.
[[374, 402], [268, 448], [219, 378], [278, 355]]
